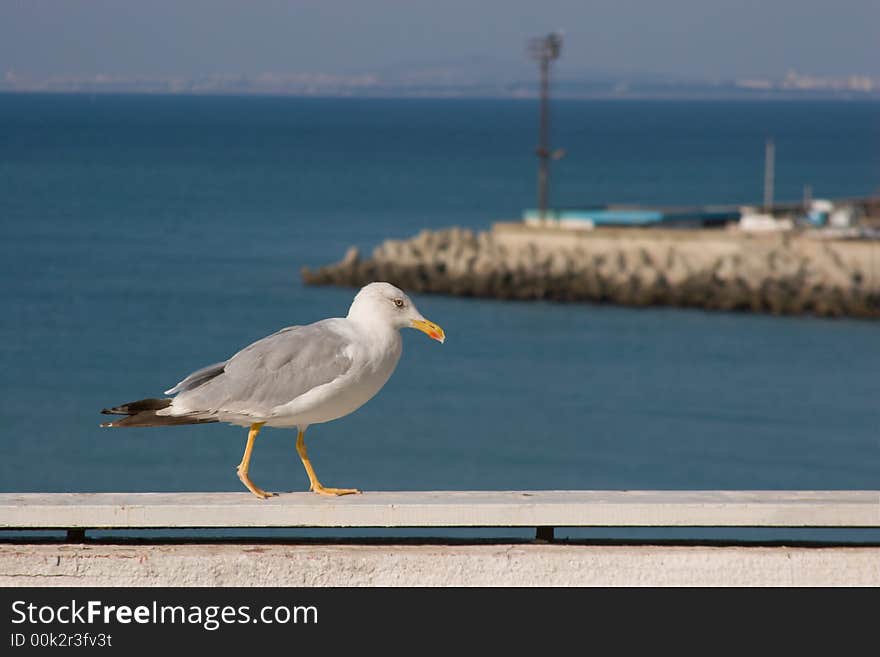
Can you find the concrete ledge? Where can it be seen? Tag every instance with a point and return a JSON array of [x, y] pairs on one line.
[[435, 565], [635, 508]]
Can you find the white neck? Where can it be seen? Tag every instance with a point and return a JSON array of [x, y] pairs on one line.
[[368, 321], [383, 339]]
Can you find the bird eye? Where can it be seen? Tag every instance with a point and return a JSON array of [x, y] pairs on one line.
[[399, 303]]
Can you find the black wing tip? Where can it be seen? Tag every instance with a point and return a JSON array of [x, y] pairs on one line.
[[139, 406]]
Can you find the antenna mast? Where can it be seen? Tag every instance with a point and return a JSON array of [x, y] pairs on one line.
[[769, 174], [545, 50]]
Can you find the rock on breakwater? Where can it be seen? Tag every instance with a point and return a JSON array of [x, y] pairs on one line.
[[711, 269]]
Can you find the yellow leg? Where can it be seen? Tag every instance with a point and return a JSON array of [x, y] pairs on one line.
[[313, 478], [242, 468]]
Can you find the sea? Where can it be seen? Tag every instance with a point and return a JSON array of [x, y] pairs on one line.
[[146, 236]]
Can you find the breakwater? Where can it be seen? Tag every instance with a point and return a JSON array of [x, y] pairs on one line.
[[711, 269]]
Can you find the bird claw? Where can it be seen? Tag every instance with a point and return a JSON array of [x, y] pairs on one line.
[[258, 492], [335, 491]]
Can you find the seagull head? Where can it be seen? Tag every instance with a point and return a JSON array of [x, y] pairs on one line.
[[382, 302]]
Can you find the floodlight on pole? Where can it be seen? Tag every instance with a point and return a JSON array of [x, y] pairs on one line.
[[544, 50]]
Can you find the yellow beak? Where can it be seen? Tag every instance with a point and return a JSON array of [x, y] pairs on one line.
[[430, 328]]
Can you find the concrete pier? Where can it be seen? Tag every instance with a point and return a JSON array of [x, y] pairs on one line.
[[711, 269]]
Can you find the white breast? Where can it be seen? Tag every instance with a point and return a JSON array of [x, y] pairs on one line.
[[373, 363]]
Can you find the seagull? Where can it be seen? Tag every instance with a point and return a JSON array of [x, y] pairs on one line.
[[299, 376]]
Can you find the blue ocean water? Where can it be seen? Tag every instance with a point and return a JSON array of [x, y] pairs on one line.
[[147, 236]]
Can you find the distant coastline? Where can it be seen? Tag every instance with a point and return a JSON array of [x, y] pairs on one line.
[[697, 98], [793, 86]]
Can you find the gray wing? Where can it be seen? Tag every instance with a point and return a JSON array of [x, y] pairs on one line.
[[198, 378], [270, 372]]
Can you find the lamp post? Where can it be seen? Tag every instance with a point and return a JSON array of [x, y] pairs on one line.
[[545, 50]]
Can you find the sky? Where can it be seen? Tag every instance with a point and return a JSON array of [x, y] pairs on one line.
[[706, 39]]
